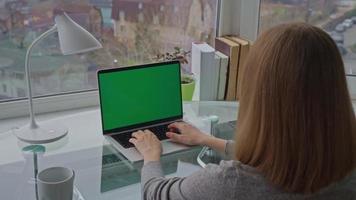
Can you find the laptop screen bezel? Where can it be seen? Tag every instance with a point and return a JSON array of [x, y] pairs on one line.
[[144, 124]]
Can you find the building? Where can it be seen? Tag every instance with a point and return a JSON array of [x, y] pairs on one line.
[[169, 20], [5, 21], [105, 7], [86, 15]]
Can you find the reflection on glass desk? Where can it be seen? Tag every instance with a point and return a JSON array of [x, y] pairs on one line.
[[223, 130], [101, 171], [117, 172]]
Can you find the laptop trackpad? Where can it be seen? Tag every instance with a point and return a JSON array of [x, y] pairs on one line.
[[169, 147]]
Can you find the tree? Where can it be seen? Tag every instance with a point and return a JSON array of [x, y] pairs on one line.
[[146, 41]]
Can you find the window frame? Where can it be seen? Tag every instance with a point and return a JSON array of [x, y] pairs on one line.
[[237, 17], [75, 100], [348, 79], [50, 103]]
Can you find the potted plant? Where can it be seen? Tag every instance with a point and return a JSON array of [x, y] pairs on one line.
[[187, 81]]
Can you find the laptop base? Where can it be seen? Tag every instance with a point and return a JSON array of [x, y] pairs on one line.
[[134, 156]]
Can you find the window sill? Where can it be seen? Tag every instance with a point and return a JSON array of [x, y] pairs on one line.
[[49, 104]]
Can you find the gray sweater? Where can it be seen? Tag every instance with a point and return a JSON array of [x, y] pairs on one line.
[[230, 180]]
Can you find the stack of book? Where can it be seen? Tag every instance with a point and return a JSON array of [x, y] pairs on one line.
[[218, 70]]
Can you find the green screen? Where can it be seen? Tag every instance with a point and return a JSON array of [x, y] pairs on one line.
[[139, 95]]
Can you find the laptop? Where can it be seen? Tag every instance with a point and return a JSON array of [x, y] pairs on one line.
[[137, 98]]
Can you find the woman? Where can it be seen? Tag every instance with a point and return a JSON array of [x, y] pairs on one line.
[[296, 136]]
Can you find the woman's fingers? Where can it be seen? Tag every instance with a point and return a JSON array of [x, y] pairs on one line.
[[174, 137], [147, 144], [133, 141], [141, 135], [148, 132], [177, 125], [137, 134]]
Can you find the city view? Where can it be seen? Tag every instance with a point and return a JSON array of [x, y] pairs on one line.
[[337, 17], [134, 32], [131, 31]]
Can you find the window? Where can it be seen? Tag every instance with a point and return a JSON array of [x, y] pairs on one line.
[[140, 17], [122, 16], [122, 29], [140, 6], [20, 91], [175, 9], [336, 17], [19, 76], [155, 19], [138, 40], [4, 88]]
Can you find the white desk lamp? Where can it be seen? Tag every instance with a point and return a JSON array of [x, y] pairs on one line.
[[73, 39]]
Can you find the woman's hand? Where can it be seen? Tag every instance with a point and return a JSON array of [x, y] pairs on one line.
[[189, 135], [147, 144]]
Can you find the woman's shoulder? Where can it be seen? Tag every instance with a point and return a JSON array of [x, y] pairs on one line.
[[237, 171], [237, 180], [247, 181], [233, 166]]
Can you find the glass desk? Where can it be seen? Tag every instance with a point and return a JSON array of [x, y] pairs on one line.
[[101, 171]]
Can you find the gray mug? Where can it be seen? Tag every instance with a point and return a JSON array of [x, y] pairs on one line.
[[55, 183]]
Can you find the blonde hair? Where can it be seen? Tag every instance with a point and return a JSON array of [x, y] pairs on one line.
[[296, 123]]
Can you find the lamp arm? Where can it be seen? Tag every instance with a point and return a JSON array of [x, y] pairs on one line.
[[33, 123]]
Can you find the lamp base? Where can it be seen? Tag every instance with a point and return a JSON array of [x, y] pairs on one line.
[[45, 133]]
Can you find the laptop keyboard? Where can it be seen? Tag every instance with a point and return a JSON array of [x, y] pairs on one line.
[[123, 138]]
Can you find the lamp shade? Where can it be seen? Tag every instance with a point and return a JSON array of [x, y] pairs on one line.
[[73, 38]]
